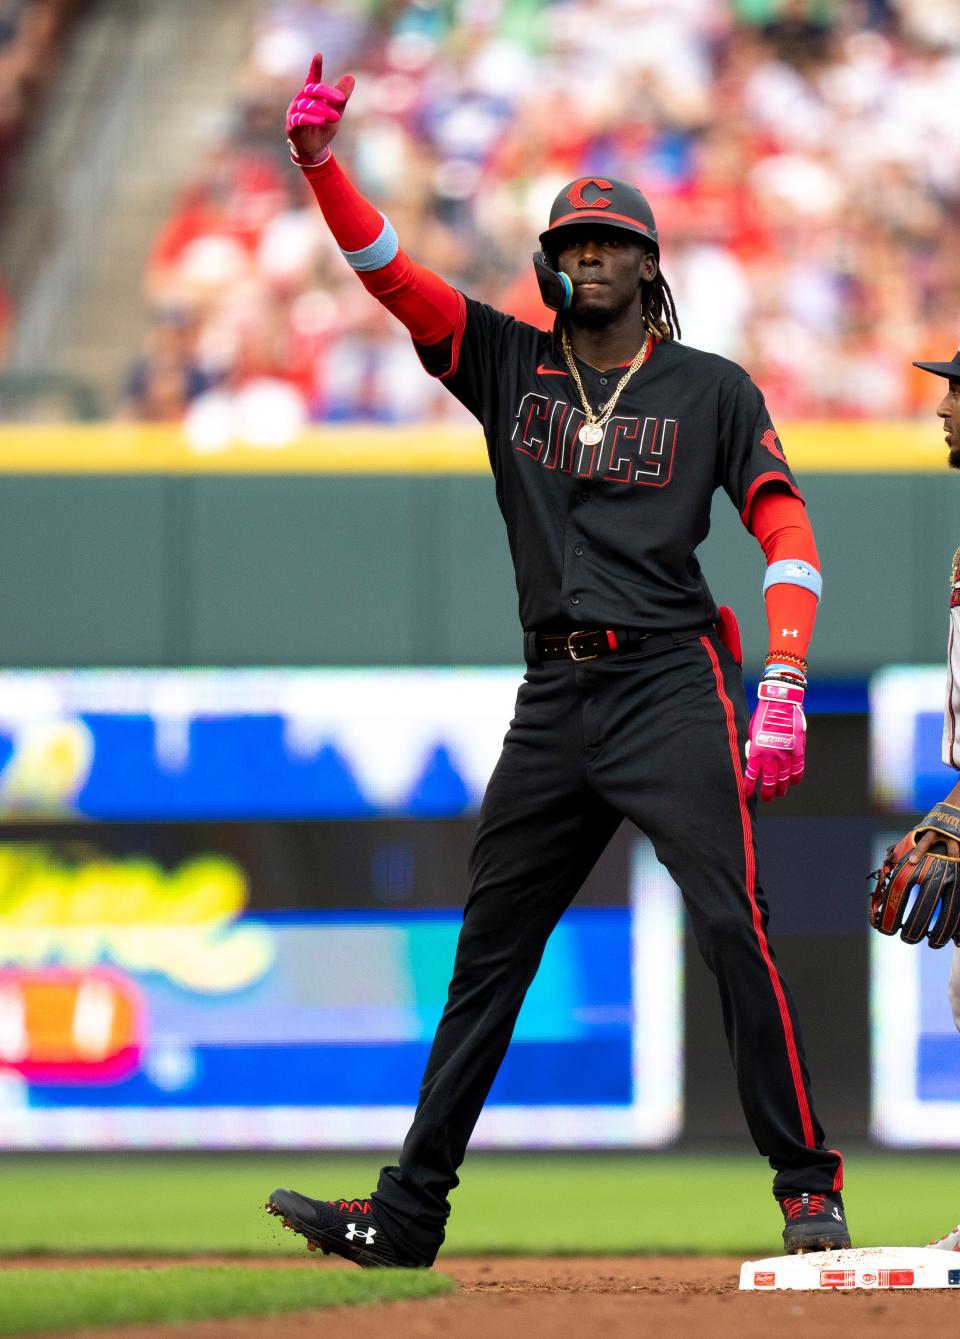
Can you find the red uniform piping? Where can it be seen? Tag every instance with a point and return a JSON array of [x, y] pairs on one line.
[[793, 1054]]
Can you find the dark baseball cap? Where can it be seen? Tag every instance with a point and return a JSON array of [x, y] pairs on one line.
[[605, 200], [951, 369]]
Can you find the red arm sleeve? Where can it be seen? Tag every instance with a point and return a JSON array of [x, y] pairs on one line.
[[426, 304], [779, 522]]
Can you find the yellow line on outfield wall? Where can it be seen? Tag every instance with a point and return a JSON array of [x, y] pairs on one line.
[[914, 447]]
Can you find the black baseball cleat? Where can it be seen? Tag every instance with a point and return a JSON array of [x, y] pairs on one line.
[[337, 1227], [813, 1223]]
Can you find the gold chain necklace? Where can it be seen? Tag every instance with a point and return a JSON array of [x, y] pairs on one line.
[[592, 430]]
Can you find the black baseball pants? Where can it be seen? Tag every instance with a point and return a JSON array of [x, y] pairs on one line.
[[655, 736]]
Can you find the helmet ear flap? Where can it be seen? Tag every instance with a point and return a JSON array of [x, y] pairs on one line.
[[555, 286]]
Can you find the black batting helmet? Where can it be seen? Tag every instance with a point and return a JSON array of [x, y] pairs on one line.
[[951, 369], [602, 200], [616, 204]]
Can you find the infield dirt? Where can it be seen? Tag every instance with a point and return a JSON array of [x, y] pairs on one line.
[[583, 1298]]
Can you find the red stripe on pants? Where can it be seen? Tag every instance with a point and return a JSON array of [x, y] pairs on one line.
[[751, 874]]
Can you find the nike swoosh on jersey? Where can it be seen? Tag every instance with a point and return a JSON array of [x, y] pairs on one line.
[[549, 372]]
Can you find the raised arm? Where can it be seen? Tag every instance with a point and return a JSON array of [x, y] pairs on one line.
[[427, 305]]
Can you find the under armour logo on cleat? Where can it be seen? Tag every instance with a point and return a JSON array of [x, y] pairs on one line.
[[837, 1214], [365, 1234]]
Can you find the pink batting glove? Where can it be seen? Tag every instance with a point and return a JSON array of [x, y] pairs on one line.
[[778, 736], [313, 117]]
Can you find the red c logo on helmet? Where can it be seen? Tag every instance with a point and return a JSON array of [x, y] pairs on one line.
[[575, 193]]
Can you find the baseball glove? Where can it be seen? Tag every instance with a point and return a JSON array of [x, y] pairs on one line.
[[921, 899]]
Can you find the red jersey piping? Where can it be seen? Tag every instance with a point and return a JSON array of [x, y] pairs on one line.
[[457, 338]]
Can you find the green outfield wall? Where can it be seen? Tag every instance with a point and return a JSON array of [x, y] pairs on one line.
[[123, 546]]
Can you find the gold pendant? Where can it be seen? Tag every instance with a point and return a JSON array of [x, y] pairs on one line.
[[590, 434]]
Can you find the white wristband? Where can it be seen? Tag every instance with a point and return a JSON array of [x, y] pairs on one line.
[[299, 162]]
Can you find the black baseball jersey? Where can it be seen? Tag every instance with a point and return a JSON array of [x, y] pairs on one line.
[[604, 535]]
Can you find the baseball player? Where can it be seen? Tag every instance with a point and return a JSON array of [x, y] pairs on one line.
[[933, 915], [949, 411], [949, 810], [607, 439]]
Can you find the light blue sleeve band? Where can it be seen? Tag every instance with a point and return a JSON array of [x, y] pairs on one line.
[[793, 572], [378, 253]]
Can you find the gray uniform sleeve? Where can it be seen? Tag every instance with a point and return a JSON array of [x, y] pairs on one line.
[[953, 989]]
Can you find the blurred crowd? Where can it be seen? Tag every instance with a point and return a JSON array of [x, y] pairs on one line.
[[31, 34], [801, 157]]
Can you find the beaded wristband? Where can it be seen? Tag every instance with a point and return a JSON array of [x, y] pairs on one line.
[[775, 657], [779, 676]]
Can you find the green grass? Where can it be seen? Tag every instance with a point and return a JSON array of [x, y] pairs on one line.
[[69, 1299], [174, 1204]]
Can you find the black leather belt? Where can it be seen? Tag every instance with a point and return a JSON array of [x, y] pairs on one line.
[[587, 644]]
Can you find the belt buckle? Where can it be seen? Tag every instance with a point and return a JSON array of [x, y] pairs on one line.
[[572, 651]]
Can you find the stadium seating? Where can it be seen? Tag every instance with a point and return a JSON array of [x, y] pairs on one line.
[[800, 155]]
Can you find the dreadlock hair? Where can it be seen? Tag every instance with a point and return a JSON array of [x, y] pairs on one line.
[[658, 309]]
